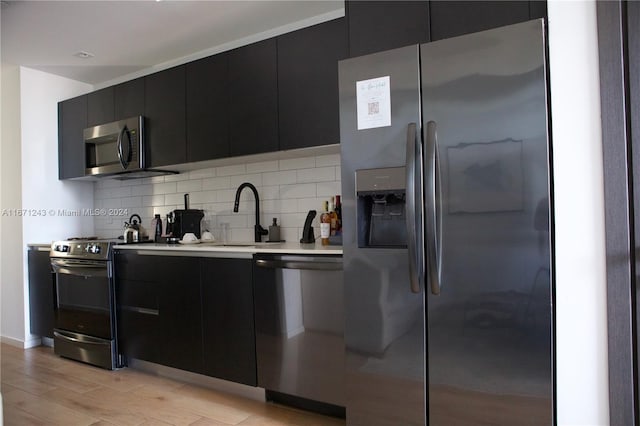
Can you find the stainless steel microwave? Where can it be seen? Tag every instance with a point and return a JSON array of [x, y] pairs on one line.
[[115, 147]]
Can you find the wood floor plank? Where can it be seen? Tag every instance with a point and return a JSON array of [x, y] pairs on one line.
[[74, 382], [208, 422], [101, 409], [199, 404], [26, 383], [14, 416], [117, 379], [47, 411], [43, 356], [148, 408]]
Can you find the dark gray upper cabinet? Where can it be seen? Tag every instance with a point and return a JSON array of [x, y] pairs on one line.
[[41, 293], [164, 110], [128, 99], [100, 107], [454, 18], [72, 120], [375, 26], [115, 102], [253, 85], [308, 109], [537, 9], [208, 108]]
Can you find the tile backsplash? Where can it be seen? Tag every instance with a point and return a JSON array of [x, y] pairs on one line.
[[288, 189]]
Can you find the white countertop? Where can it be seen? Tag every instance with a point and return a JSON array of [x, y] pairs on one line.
[[281, 248]]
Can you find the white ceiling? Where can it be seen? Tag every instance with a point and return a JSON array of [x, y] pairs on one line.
[[130, 38]]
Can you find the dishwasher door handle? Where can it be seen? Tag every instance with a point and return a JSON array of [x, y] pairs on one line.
[[315, 265]]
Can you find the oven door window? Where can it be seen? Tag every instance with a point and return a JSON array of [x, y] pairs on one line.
[[83, 304]]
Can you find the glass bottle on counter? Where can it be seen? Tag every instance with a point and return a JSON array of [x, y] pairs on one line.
[[156, 224], [325, 224], [333, 217], [339, 214]]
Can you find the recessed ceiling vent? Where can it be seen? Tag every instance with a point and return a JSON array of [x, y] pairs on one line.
[[83, 55]]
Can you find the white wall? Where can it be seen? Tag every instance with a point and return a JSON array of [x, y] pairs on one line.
[[30, 183], [581, 323], [288, 189], [11, 281], [41, 189]]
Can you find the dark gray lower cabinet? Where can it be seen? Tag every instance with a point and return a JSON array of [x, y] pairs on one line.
[[158, 301], [41, 292], [190, 313], [227, 316]]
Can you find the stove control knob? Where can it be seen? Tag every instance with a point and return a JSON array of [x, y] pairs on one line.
[[93, 248]]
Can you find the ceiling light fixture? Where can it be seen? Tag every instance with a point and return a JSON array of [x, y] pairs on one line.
[[83, 55]]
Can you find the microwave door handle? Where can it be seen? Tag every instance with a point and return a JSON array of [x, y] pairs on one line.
[[124, 158], [414, 209]]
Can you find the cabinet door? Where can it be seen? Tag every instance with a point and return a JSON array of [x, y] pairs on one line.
[[228, 325], [308, 84], [129, 99], [454, 18], [208, 108], [180, 313], [41, 291], [100, 107], [72, 120], [375, 26], [165, 117], [537, 9], [159, 315], [253, 85]]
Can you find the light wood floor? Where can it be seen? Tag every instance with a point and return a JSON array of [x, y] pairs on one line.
[[40, 388]]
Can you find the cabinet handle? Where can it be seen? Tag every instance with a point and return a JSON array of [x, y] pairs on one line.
[[139, 310]]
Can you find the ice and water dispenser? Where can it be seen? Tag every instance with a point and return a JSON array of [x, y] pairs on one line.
[[380, 208]]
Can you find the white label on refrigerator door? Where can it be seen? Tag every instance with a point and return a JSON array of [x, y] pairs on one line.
[[373, 103]]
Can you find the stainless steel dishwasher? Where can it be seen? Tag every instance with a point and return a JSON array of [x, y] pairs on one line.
[[299, 315]]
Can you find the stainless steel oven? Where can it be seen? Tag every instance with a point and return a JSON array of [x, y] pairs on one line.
[[299, 317], [84, 308]]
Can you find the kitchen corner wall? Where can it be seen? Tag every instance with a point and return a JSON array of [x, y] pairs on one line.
[[287, 188]]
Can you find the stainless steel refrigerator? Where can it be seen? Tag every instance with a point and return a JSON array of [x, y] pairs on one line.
[[446, 232]]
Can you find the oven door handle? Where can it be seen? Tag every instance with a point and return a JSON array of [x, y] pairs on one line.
[[87, 339], [81, 269], [79, 262]]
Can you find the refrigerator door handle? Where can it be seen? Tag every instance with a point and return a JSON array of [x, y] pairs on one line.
[[433, 231], [414, 209]]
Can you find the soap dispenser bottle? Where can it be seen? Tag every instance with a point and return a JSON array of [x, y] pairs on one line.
[[274, 231]]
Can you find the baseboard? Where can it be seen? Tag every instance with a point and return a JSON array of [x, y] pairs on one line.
[[22, 344]]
